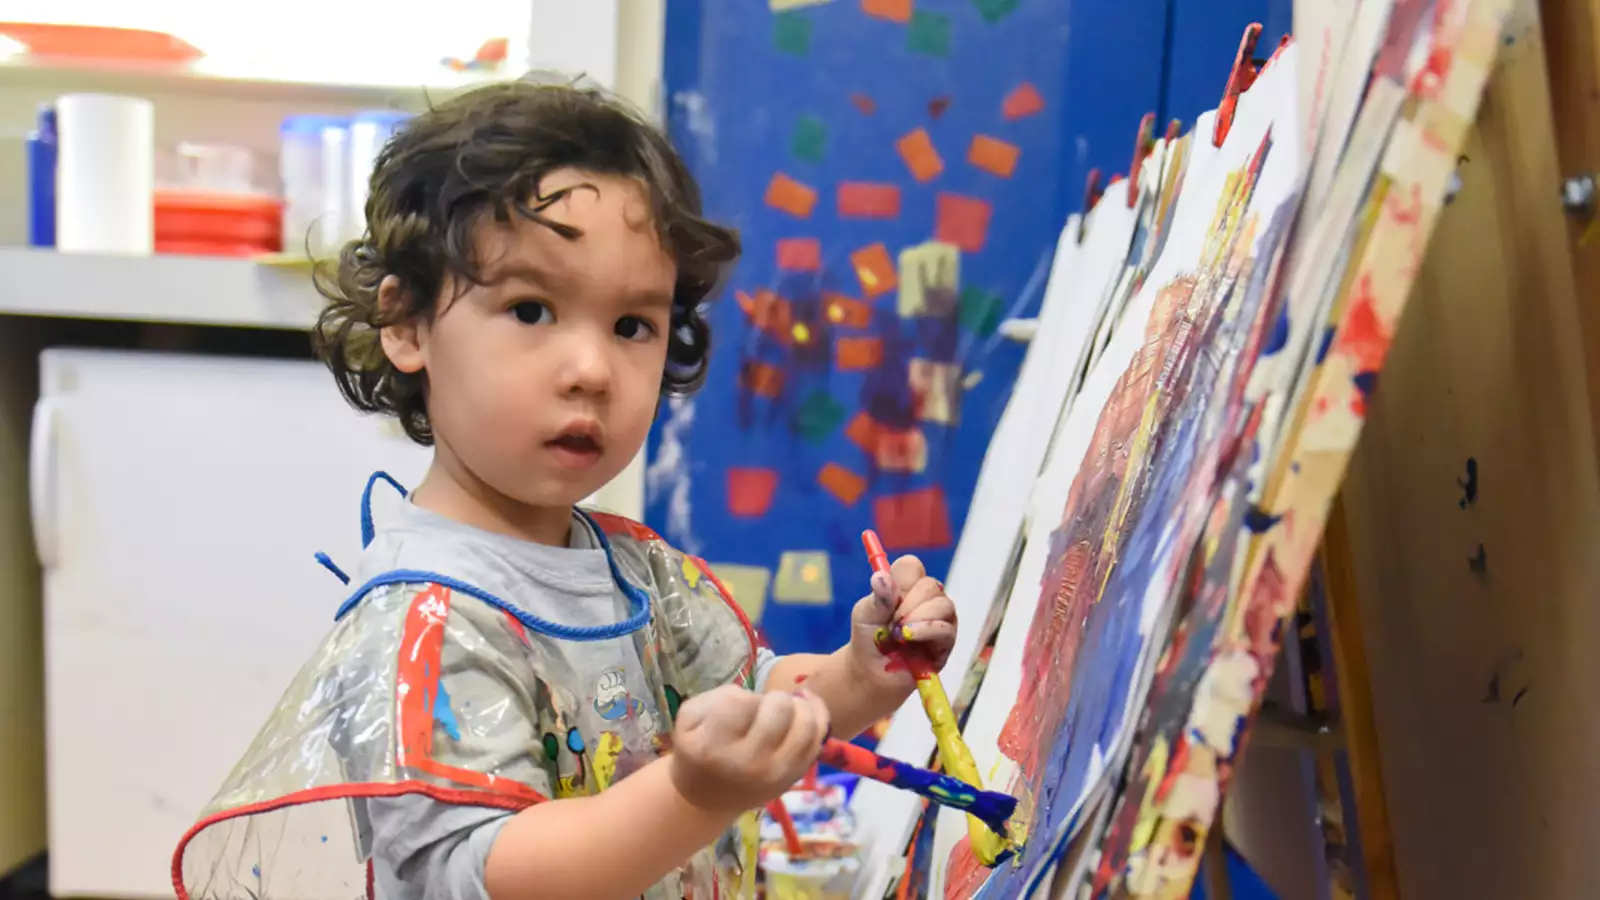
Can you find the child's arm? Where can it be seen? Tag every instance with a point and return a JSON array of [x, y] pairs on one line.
[[732, 751], [858, 682]]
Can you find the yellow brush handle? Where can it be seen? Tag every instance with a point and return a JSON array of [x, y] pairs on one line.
[[986, 845]]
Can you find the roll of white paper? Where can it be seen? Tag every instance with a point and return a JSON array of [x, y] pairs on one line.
[[105, 175]]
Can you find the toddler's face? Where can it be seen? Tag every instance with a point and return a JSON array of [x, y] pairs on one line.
[[543, 382]]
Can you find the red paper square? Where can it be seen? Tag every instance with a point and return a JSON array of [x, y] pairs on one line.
[[861, 200], [962, 221], [916, 520], [750, 491], [799, 254]]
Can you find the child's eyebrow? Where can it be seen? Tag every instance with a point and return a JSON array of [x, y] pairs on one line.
[[520, 270], [653, 300]]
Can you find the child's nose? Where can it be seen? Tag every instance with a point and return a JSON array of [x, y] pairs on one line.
[[586, 368]]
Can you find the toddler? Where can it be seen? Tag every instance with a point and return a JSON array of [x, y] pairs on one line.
[[521, 699]]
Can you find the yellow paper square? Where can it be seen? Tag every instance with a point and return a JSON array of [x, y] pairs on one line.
[[804, 577], [930, 277], [747, 584]]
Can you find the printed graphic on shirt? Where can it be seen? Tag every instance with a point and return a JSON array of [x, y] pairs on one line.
[[611, 700]]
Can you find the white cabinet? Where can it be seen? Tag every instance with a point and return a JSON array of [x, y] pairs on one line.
[[177, 503]]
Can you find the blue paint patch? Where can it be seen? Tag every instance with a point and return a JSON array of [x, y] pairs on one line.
[[256, 871], [444, 715], [1366, 382], [1326, 345], [1280, 334], [939, 338], [1259, 520]]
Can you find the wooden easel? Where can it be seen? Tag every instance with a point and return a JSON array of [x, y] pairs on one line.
[[1464, 598]]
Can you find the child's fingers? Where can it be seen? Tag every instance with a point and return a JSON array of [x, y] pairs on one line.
[[808, 730], [935, 606], [772, 720], [883, 590], [871, 611], [928, 632], [907, 571], [920, 594]]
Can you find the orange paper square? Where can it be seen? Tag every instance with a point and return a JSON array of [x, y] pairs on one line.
[[860, 200], [875, 270], [842, 483], [962, 221], [893, 10], [993, 155], [863, 432], [853, 354], [799, 254], [791, 196], [762, 379], [1024, 100], [847, 312], [920, 156]]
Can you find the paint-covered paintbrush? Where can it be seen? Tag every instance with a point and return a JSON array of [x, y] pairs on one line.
[[990, 807], [987, 845]]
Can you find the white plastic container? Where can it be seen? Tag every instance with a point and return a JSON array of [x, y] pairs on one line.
[[334, 223], [369, 131], [105, 175], [303, 172]]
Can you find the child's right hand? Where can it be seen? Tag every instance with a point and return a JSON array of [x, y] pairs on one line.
[[734, 750]]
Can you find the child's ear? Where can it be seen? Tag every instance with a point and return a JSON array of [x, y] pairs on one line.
[[402, 341]]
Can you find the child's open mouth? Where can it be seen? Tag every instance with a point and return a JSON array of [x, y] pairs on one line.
[[576, 448]]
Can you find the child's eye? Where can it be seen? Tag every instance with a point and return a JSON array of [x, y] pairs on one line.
[[633, 328], [530, 312]]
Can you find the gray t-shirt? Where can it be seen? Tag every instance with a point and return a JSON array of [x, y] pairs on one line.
[[425, 849]]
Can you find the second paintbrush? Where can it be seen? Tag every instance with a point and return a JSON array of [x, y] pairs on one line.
[[990, 807]]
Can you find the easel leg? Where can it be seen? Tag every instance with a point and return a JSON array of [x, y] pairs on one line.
[[1215, 864], [1370, 818]]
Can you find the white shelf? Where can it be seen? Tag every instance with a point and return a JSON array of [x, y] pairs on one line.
[[180, 290], [78, 75]]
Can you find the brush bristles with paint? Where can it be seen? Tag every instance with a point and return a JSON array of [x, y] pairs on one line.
[[990, 807]]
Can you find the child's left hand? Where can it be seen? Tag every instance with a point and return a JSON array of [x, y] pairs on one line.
[[925, 618]]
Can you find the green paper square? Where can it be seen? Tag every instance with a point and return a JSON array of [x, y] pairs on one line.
[[980, 310], [791, 33], [819, 414], [810, 139], [928, 34], [995, 10]]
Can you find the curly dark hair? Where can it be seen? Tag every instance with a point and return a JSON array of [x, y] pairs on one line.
[[485, 153]]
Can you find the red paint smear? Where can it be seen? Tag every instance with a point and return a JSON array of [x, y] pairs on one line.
[[863, 104], [1405, 210], [750, 491], [800, 679], [862, 200], [1364, 338]]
